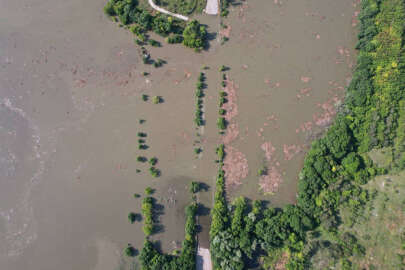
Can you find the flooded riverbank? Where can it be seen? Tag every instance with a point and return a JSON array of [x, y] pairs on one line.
[[70, 101]]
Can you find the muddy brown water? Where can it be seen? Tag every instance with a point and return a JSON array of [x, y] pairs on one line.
[[70, 86]]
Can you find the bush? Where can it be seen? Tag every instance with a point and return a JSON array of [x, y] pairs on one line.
[[130, 251], [154, 172], [194, 187], [141, 159], [149, 191], [132, 217], [194, 35], [145, 97], [154, 43], [175, 38], [221, 123], [153, 161], [156, 100]]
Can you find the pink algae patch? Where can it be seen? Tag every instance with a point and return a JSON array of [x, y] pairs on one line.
[[329, 111], [306, 79], [230, 106], [268, 149], [235, 167], [270, 182], [290, 151], [232, 133], [226, 31]]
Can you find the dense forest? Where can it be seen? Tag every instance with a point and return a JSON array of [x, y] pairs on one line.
[[336, 168], [335, 191]]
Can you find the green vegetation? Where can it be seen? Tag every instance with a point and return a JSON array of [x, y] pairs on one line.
[[154, 43], [340, 220], [140, 21], [221, 123], [145, 97], [149, 191], [136, 195], [147, 212], [151, 258], [141, 159], [156, 100], [174, 38], [224, 8], [194, 187], [132, 217], [194, 35], [183, 7], [154, 172], [130, 251], [153, 161], [142, 134], [197, 150], [198, 120]]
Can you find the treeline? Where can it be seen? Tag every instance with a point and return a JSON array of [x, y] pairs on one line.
[[337, 165], [151, 258], [140, 21]]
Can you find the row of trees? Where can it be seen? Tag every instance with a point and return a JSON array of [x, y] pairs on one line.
[[151, 258]]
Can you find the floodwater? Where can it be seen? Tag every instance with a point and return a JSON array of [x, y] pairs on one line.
[[70, 104]]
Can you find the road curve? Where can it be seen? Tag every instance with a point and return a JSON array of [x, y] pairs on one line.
[[162, 10]]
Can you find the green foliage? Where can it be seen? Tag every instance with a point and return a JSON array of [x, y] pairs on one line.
[[151, 258], [141, 159], [147, 212], [154, 43], [154, 172], [153, 161], [145, 97], [221, 123], [174, 38], [130, 251], [194, 187], [149, 191], [156, 99], [194, 35]]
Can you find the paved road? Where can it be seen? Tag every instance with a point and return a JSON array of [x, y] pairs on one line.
[[162, 10]]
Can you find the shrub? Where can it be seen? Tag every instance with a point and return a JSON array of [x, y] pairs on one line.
[[154, 172], [153, 161], [221, 123], [176, 38], [132, 217], [136, 195], [130, 251], [141, 159], [142, 134], [145, 97], [154, 43], [222, 111], [156, 99], [194, 187], [194, 35], [149, 191]]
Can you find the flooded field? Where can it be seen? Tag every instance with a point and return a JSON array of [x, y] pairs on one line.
[[70, 103]]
